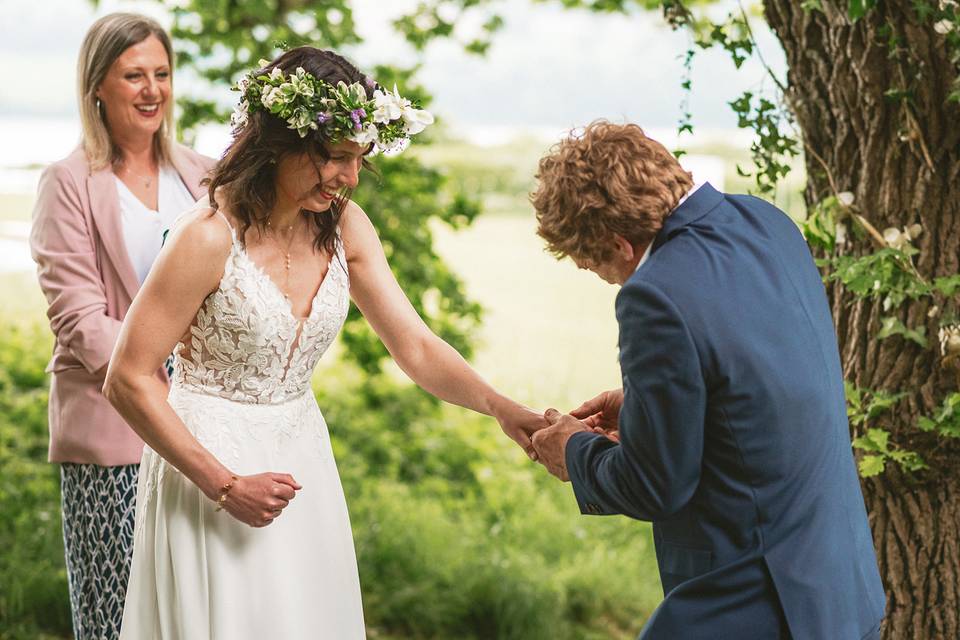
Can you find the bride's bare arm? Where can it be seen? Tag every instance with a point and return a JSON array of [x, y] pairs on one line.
[[187, 270], [427, 359]]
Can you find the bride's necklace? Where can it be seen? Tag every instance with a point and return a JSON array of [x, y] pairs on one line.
[[285, 290]]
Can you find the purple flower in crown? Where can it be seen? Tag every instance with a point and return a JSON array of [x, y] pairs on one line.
[[357, 115], [370, 82], [323, 118]]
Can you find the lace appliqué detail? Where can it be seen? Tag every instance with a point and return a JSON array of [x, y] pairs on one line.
[[246, 345]]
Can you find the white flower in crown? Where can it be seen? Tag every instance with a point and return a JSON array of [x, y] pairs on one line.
[[240, 113], [389, 105], [367, 135], [300, 84], [394, 147], [303, 121], [416, 120], [270, 96], [276, 74]]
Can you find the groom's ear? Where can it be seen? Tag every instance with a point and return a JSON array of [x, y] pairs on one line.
[[624, 248]]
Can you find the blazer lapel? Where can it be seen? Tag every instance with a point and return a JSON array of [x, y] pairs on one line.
[[105, 209], [191, 172]]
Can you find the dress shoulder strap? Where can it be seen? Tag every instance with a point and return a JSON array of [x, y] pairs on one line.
[[226, 221]]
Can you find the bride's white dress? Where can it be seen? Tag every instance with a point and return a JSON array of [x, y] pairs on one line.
[[242, 387]]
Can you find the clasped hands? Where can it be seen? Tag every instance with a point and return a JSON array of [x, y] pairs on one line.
[[545, 437]]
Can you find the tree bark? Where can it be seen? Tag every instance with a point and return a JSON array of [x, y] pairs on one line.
[[901, 160]]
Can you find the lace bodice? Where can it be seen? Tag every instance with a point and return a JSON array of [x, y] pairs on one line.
[[247, 346]]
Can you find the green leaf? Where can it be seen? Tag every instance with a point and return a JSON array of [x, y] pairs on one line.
[[871, 466], [891, 326], [856, 9]]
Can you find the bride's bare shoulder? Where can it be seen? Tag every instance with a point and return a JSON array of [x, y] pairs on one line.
[[203, 230]]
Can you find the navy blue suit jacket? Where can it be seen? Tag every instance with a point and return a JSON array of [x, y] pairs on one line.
[[734, 439]]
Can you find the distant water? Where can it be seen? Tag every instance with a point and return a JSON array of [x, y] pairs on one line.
[[31, 143]]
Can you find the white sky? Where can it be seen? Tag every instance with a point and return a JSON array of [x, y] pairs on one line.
[[548, 69]]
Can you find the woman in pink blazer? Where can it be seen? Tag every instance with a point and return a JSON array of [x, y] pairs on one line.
[[98, 224]]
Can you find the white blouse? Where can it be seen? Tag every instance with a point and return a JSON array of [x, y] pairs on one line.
[[143, 228]]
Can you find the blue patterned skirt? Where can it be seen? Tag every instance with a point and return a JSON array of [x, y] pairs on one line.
[[98, 511]]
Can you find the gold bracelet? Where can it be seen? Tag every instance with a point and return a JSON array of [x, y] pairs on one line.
[[224, 490]]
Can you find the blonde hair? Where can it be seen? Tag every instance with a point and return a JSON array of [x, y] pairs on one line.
[[610, 179], [106, 41]]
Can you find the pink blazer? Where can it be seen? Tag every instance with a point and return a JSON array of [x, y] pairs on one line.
[[88, 279]]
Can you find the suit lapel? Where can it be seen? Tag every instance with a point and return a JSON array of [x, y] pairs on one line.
[[105, 209]]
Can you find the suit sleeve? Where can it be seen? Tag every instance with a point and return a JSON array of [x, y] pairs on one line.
[[655, 469], [62, 247]]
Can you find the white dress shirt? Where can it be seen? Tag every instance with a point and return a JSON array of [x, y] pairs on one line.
[[142, 227]]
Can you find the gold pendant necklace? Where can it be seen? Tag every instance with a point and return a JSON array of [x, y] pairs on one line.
[[286, 256]]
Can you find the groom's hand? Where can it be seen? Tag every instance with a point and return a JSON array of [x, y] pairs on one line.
[[551, 443], [602, 413]]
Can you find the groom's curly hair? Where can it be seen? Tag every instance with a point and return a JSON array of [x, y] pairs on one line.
[[606, 179]]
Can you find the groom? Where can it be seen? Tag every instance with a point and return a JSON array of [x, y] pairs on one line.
[[730, 432]]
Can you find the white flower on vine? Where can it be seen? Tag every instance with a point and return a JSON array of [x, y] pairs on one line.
[[943, 27], [845, 198], [913, 231], [894, 238], [950, 340], [840, 234]]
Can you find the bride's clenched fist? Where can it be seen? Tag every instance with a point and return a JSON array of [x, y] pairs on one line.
[[258, 499]]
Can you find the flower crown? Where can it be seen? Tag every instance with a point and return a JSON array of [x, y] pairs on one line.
[[342, 112]]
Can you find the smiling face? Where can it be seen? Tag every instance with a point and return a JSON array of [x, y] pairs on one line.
[[137, 89], [312, 184]]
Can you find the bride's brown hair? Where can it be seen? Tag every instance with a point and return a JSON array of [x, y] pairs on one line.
[[248, 168]]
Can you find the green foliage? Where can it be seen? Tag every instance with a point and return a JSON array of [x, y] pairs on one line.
[[459, 536], [856, 9], [820, 225], [879, 450], [863, 408], [890, 326], [33, 581], [771, 148], [946, 419], [864, 405], [887, 272], [218, 41], [400, 202]]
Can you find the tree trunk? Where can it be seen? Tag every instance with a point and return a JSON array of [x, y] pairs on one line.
[[901, 160]]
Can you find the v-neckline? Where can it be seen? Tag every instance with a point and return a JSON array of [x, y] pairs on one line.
[[279, 291]]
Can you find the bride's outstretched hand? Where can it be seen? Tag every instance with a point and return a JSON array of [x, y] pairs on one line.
[[602, 413], [519, 423], [257, 500]]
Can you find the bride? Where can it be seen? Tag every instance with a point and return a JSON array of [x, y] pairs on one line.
[[248, 294]]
